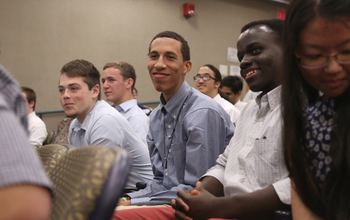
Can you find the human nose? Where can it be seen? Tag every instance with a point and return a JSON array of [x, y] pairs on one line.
[[65, 94], [245, 62], [104, 84], [159, 64], [332, 65]]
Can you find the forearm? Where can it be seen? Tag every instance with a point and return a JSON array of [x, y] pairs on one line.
[[299, 210], [25, 202], [260, 204], [213, 185]]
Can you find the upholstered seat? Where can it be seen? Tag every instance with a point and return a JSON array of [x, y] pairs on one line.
[[50, 136], [50, 154], [88, 182], [61, 136]]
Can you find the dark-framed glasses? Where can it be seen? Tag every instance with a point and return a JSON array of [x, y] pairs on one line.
[[205, 78], [320, 61]]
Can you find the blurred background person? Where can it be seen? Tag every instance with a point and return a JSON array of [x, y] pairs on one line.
[[231, 88], [36, 126]]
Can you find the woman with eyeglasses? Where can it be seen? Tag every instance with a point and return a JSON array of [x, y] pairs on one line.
[[316, 100]]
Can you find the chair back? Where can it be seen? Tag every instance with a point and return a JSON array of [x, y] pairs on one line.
[[50, 136], [50, 154], [88, 182], [62, 131]]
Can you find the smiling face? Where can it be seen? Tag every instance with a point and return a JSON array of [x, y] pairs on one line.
[[114, 86], [75, 97], [166, 66], [322, 37], [260, 54], [209, 87]]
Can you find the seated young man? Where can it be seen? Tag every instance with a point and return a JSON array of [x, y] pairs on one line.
[[249, 180], [188, 129], [96, 122]]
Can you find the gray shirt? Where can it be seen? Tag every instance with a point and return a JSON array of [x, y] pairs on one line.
[[186, 136], [105, 126]]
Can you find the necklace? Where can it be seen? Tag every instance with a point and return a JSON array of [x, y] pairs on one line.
[[167, 149]]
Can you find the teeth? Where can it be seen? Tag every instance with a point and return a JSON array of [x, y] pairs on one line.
[[250, 73]]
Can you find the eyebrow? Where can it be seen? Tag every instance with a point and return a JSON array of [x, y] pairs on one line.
[[166, 52], [311, 45], [198, 74], [69, 85]]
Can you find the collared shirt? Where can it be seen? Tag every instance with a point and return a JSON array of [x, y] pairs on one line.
[[107, 127], [231, 110], [189, 131], [254, 158], [136, 117], [19, 163], [240, 105], [37, 130]]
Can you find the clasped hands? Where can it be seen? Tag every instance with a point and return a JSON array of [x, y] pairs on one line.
[[196, 204]]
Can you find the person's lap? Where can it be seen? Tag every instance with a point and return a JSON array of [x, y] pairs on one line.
[[146, 213]]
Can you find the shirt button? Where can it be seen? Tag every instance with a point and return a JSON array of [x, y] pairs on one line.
[[169, 150], [169, 126], [166, 174], [241, 171]]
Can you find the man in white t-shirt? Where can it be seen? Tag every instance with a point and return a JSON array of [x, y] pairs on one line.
[[36, 126], [208, 81]]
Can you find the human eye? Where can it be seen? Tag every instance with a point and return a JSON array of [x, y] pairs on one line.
[[256, 50], [206, 77], [153, 55], [345, 53], [60, 90], [74, 89], [313, 56]]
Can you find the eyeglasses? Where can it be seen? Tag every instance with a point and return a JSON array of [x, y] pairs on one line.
[[319, 61], [205, 78]]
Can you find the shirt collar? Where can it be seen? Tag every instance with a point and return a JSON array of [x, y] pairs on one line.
[[125, 106], [273, 98], [174, 105], [86, 121]]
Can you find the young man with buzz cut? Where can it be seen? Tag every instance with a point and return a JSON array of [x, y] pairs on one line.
[[96, 122], [188, 129]]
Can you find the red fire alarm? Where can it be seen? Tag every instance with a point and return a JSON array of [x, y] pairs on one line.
[[188, 10]]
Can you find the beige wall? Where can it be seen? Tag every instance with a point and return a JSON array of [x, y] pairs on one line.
[[38, 37]]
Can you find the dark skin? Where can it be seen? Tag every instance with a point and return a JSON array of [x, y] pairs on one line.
[[260, 54]]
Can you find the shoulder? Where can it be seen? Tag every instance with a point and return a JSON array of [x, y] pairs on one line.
[[199, 103]]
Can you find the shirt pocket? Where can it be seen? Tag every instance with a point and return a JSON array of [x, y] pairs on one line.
[[267, 154]]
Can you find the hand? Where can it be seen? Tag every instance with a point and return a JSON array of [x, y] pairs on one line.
[[181, 207], [196, 204], [122, 202]]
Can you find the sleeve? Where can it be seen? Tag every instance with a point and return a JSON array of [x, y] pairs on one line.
[[37, 133], [283, 191], [19, 163], [206, 134], [218, 169], [140, 124], [106, 131]]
